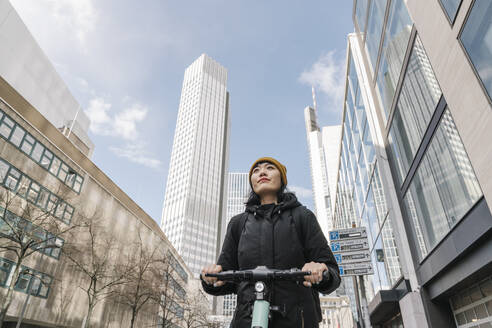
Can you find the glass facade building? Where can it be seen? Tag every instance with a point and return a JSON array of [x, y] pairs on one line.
[[412, 155], [194, 199]]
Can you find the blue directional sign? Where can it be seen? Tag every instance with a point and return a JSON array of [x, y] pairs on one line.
[[335, 247], [338, 258], [333, 235], [341, 271]]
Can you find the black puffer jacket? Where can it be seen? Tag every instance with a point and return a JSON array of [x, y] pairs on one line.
[[275, 242]]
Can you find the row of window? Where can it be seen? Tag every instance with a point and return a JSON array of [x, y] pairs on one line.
[[443, 187], [37, 283], [34, 193], [23, 140], [177, 267], [10, 223]]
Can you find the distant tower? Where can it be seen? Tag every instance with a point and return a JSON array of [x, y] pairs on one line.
[[195, 192], [317, 162]]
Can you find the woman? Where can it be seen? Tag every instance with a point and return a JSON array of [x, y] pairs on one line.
[[278, 232]]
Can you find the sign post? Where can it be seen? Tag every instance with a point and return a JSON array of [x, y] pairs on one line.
[[351, 250]]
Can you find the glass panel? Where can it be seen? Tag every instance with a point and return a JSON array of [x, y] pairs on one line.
[[418, 99], [477, 40], [17, 136], [480, 311], [38, 151], [353, 81], [371, 214], [486, 288], [23, 282], [395, 43], [6, 127], [4, 270], [46, 159], [375, 29], [391, 258], [55, 165], [23, 186], [444, 187], [360, 14], [62, 174], [35, 284], [12, 178], [470, 315], [4, 167], [43, 197], [27, 144], [460, 318], [59, 210], [368, 148], [451, 7], [33, 192], [78, 183]]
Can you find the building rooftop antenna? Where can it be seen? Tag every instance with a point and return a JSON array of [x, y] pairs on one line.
[[315, 104]]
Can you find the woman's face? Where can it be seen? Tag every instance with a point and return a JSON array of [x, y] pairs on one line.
[[266, 179]]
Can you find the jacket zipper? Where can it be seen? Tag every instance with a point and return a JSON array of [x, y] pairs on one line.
[[302, 318]]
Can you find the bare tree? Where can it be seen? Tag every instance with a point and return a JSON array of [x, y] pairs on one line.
[[26, 230], [94, 254], [141, 284], [195, 314], [169, 295], [64, 296]]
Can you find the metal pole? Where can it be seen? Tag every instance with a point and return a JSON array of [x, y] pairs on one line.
[[357, 301], [365, 311], [25, 304]]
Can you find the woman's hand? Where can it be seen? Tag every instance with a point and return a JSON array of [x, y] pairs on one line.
[[213, 268], [316, 276]]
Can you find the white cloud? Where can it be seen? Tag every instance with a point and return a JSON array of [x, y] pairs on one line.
[[79, 17], [135, 152], [327, 76], [121, 124], [301, 192]]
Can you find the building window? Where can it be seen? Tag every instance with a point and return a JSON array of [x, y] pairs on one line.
[[473, 306], [24, 141], [34, 193], [418, 99], [443, 189], [375, 29], [36, 282], [40, 237], [451, 8], [396, 37], [476, 38], [360, 14], [5, 268]]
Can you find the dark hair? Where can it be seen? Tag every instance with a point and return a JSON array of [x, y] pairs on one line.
[[254, 199]]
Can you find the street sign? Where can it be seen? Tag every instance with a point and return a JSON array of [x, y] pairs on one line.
[[356, 269], [349, 245], [351, 233], [353, 257], [351, 250]]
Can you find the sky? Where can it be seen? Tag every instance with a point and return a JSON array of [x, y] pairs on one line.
[[124, 62]]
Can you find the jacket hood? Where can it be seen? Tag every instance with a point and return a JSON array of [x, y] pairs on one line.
[[289, 201]]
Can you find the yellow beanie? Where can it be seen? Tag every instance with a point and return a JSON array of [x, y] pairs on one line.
[[278, 165]]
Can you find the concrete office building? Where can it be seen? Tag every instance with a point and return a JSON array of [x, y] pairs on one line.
[[336, 312], [194, 203], [27, 69], [417, 175], [43, 167]]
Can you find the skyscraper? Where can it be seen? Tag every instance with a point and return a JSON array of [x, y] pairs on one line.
[[319, 177], [194, 201]]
